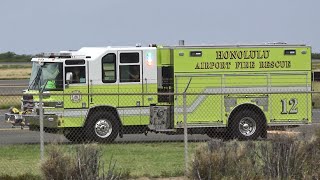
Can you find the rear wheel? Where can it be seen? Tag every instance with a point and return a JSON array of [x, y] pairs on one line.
[[246, 125], [102, 127]]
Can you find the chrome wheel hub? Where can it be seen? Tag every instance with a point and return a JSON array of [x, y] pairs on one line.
[[103, 128], [247, 126]]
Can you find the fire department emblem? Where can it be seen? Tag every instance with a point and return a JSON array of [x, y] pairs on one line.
[[76, 96]]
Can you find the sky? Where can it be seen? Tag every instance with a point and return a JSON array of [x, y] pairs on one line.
[[35, 26]]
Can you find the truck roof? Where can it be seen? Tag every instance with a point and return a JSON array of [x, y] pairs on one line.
[[88, 53], [91, 53]]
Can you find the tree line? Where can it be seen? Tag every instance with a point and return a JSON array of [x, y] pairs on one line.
[[13, 57], [315, 55]]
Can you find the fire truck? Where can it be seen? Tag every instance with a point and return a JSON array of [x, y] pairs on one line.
[[100, 93]]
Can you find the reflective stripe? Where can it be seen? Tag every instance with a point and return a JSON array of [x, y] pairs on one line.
[[67, 112]]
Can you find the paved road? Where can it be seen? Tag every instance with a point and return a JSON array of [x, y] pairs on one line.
[[13, 86], [15, 135], [18, 136], [16, 63]]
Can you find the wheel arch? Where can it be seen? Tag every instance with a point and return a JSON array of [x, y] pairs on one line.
[[248, 106], [110, 109]]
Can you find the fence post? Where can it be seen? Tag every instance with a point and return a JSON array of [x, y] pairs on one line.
[[185, 128], [41, 126]]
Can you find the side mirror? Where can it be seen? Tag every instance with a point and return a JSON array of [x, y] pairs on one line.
[[69, 77]]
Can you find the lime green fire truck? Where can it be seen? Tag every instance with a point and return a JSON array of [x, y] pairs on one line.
[[242, 90]]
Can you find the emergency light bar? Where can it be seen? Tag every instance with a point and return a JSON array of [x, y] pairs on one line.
[[276, 43], [61, 55], [54, 55]]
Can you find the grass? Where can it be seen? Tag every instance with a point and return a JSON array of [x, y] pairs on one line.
[[28, 176], [20, 159], [146, 159]]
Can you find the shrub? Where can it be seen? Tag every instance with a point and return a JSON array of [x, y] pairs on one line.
[[59, 165], [281, 158], [218, 160], [85, 164]]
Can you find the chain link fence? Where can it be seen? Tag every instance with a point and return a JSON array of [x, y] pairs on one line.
[[141, 133]]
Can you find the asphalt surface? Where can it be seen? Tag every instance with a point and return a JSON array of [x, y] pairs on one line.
[[13, 86], [16, 135]]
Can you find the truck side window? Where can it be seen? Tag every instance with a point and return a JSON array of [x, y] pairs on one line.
[[129, 67], [130, 73], [132, 57], [78, 74], [109, 68]]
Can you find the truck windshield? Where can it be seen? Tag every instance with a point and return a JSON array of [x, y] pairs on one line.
[[47, 76]]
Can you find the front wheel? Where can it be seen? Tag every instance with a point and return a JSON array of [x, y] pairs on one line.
[[246, 125], [102, 127]]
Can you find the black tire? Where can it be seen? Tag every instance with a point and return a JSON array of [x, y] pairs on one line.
[[246, 125], [74, 135], [102, 127]]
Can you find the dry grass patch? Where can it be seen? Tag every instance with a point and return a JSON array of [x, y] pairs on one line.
[[19, 73], [316, 96]]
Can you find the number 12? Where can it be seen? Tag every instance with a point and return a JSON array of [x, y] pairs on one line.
[[293, 102]]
